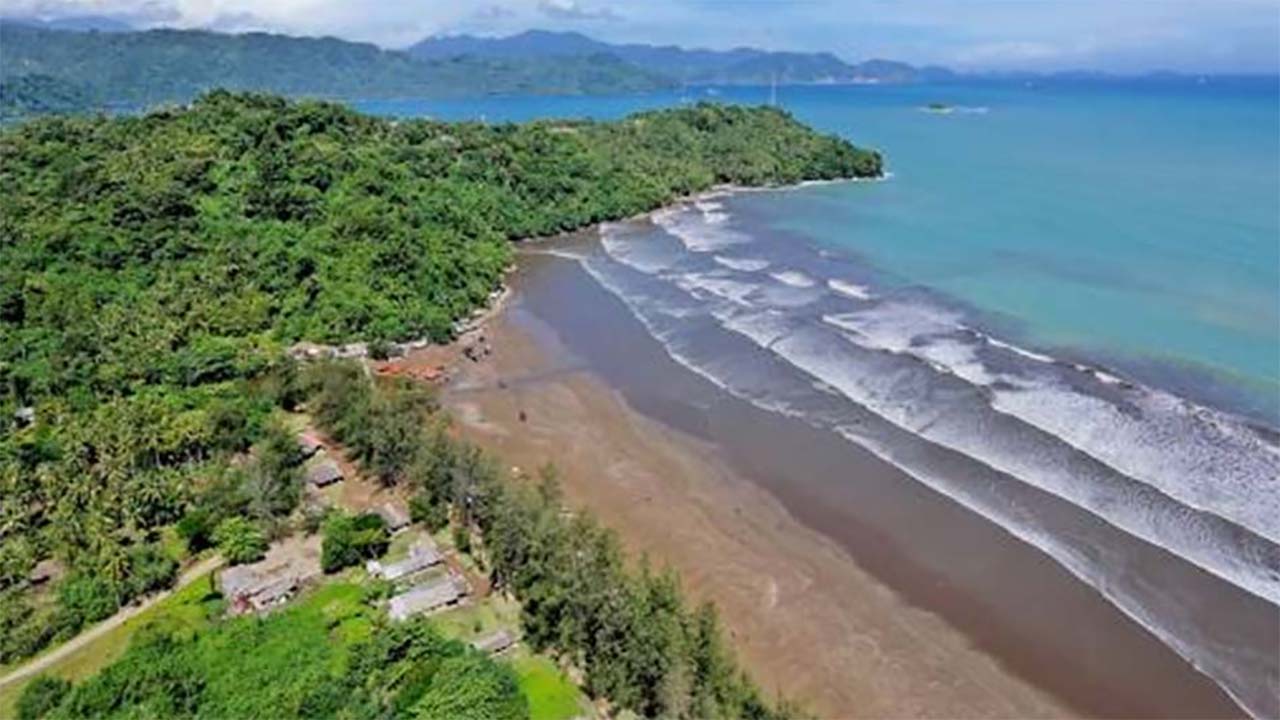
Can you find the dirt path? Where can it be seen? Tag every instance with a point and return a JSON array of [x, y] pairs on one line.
[[78, 642]]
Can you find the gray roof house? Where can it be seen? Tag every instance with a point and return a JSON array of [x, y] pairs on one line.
[[494, 643], [429, 596], [395, 515], [421, 556], [249, 588], [324, 472]]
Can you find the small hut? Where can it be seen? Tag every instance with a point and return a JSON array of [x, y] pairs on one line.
[[395, 515], [324, 472], [309, 444], [494, 643]]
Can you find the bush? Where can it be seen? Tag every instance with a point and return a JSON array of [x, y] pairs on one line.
[[42, 695], [150, 568], [349, 540], [196, 529], [240, 541], [84, 598], [462, 539], [379, 349]]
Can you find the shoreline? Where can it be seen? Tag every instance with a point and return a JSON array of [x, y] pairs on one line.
[[872, 603], [664, 490]]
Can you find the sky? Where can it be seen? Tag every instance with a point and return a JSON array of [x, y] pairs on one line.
[[1113, 35]]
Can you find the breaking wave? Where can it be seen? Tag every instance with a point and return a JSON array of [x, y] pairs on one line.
[[1197, 482]]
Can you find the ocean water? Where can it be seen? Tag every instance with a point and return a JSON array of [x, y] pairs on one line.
[[1072, 288]]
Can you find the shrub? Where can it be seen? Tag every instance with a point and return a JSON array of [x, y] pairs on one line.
[[196, 529], [240, 541], [150, 568], [84, 598], [41, 696]]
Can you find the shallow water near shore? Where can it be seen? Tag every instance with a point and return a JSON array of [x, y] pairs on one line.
[[1032, 617]]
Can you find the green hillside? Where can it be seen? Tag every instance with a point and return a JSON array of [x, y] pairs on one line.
[[153, 268], [141, 69]]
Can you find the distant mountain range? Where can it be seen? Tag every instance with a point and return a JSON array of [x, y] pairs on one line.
[[73, 64], [79, 63], [739, 66], [156, 66]]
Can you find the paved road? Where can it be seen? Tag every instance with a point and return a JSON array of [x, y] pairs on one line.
[[45, 661]]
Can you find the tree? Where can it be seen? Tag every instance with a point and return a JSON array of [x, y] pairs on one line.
[[349, 540], [470, 687], [240, 541]]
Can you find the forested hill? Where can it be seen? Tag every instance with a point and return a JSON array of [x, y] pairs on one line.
[[141, 69], [739, 66], [154, 267]]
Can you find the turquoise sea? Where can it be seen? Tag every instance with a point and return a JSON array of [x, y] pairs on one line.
[[1064, 294], [1134, 223]]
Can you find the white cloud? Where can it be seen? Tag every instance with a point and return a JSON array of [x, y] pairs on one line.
[[574, 10], [1009, 52]]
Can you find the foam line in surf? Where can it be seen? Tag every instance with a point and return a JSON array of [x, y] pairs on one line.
[[1146, 604], [849, 289]]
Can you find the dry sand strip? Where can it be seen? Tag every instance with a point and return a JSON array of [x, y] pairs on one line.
[[806, 619]]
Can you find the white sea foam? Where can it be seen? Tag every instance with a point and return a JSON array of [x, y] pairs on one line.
[[695, 231], [729, 289], [794, 278], [555, 252], [895, 325], [742, 264], [1021, 351], [849, 289], [712, 212], [1202, 458], [645, 257], [1107, 378], [963, 425], [1135, 468]]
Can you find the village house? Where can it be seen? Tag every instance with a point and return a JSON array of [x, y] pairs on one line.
[[396, 516], [494, 643], [421, 556], [248, 588], [442, 592]]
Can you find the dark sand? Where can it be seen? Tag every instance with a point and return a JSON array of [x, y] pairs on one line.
[[847, 584]]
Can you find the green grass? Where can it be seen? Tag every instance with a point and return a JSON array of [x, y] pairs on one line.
[[550, 694], [471, 621], [188, 610]]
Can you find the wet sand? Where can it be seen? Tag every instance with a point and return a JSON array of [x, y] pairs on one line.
[[873, 598]]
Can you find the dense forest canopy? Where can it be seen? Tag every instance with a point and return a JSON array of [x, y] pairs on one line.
[[142, 69], [26, 95], [153, 268]]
